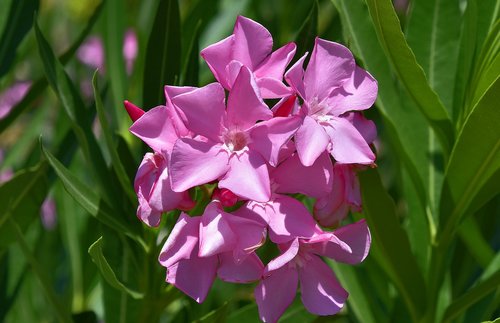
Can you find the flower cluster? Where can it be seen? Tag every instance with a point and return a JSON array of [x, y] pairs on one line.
[[255, 160]]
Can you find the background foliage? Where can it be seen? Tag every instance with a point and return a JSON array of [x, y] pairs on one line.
[[432, 204]]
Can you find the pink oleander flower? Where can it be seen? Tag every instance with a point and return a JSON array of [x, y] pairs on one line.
[[159, 128], [48, 214], [130, 49], [345, 195], [91, 53], [330, 86], [300, 261], [12, 96], [231, 147], [251, 46], [217, 243]]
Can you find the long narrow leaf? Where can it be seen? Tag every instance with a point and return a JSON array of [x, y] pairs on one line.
[[409, 71]]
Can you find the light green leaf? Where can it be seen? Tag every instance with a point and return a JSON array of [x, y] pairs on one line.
[[392, 241], [410, 73], [163, 54], [474, 160], [95, 251]]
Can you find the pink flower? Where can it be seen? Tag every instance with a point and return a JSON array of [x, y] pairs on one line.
[[300, 261], [231, 147], [159, 128], [91, 53], [251, 46], [199, 248], [130, 49], [330, 86], [12, 96]]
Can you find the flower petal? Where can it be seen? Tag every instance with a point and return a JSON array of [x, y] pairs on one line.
[[217, 56], [348, 146], [216, 235], [249, 270], [247, 177], [202, 110], [356, 236], [252, 42], [156, 129], [244, 104], [290, 220], [311, 141], [365, 127], [250, 234], [272, 88], [321, 293], [195, 162], [331, 65], [193, 276], [269, 136], [292, 249], [358, 93], [295, 76], [275, 64], [275, 293], [291, 176], [181, 242]]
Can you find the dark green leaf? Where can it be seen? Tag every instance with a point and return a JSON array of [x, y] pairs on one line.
[[163, 57], [191, 70], [308, 31], [20, 20], [217, 315], [20, 200], [392, 241], [474, 160], [90, 201], [410, 73], [107, 272]]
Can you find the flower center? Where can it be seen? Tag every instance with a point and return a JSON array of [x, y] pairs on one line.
[[319, 111], [235, 140]]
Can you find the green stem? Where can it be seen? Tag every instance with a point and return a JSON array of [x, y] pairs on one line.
[[62, 315]]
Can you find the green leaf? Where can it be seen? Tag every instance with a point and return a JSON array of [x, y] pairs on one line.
[[307, 32], [95, 251], [163, 57], [474, 160], [115, 158], [20, 20], [39, 85], [392, 241], [471, 235], [410, 73], [191, 70], [20, 200], [217, 315], [90, 201]]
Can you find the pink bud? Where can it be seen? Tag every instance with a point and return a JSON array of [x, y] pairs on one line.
[[225, 197], [287, 106], [133, 111]]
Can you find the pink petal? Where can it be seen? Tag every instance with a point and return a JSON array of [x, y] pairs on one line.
[[247, 271], [251, 234], [292, 177], [321, 293], [182, 241], [331, 65], [254, 211], [217, 57], [291, 251], [171, 92], [356, 236], [272, 88], [247, 177], [365, 127], [275, 293], [358, 93], [216, 235], [195, 162], [294, 76], [290, 220], [274, 65], [193, 276], [285, 106], [202, 110], [252, 42], [348, 146], [156, 129], [269, 136], [311, 141], [244, 104], [133, 111]]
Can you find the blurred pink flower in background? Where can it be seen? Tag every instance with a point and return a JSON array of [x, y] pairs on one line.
[[48, 213], [91, 53], [130, 49], [11, 96]]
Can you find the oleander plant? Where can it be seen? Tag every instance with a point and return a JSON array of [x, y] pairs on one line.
[[250, 161]]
